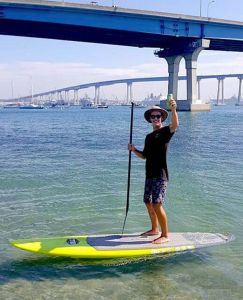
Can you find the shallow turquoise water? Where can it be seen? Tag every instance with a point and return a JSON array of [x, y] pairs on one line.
[[65, 172]]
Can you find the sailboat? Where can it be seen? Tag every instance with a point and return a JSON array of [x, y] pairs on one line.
[[31, 105]]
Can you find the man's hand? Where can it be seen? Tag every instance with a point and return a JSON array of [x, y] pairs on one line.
[[131, 147], [173, 105]]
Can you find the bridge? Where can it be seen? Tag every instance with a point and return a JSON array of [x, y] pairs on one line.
[[64, 93], [174, 36]]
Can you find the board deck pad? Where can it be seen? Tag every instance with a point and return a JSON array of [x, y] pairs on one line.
[[136, 241], [119, 246]]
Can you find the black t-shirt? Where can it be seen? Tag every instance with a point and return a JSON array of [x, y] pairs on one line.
[[154, 151]]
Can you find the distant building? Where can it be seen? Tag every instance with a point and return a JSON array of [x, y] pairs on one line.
[[153, 99]]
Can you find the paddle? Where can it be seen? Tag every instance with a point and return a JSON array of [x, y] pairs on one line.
[[129, 167]]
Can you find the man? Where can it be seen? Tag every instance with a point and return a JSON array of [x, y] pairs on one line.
[[156, 168]]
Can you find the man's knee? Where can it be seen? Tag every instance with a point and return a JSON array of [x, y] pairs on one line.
[[150, 207]]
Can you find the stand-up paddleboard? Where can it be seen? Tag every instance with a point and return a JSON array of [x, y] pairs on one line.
[[119, 246]]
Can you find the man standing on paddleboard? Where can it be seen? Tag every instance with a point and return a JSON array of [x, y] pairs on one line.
[[157, 176]]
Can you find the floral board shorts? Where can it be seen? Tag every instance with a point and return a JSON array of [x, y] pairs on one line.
[[155, 190]]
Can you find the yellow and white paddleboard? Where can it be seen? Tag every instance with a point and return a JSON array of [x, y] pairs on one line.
[[119, 246]]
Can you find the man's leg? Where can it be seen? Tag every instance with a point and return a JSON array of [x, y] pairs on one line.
[[162, 219], [154, 221]]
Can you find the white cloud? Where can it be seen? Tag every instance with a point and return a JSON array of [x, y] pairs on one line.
[[222, 63]]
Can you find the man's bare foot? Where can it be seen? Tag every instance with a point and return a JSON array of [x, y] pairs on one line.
[[161, 240], [150, 233]]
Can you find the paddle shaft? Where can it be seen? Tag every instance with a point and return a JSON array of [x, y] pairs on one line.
[[129, 167]]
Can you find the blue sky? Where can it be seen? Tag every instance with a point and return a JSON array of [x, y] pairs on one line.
[[53, 64]]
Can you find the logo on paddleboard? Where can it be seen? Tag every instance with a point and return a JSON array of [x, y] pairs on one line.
[[72, 241]]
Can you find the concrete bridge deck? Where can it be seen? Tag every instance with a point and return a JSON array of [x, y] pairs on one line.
[[115, 25]]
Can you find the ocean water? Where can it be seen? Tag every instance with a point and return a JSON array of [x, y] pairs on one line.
[[65, 172]]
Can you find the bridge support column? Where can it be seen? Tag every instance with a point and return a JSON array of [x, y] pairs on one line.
[[220, 91], [127, 100], [97, 95], [76, 100], [62, 95], [239, 93], [191, 71], [129, 93], [66, 97], [198, 89], [173, 69]]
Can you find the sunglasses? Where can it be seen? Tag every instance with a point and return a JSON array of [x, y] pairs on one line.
[[155, 116]]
